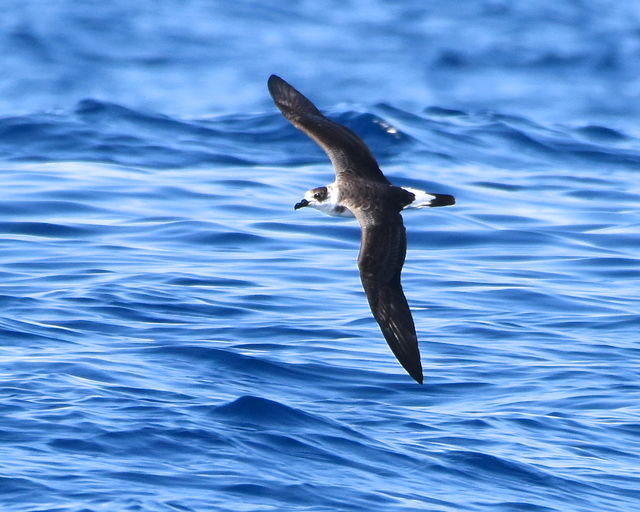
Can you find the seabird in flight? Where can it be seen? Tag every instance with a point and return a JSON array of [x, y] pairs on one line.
[[360, 190]]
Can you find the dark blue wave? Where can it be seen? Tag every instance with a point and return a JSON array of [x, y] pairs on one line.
[[110, 133]]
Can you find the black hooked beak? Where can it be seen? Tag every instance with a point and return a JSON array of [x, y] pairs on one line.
[[301, 204]]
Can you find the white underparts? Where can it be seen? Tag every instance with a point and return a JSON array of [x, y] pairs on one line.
[[422, 200]]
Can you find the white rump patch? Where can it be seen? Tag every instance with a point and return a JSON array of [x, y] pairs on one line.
[[422, 199]]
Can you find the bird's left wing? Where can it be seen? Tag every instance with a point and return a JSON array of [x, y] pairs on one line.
[[382, 252]]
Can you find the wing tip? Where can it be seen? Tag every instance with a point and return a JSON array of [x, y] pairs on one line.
[[413, 368], [409, 359], [274, 80], [291, 102], [276, 86]]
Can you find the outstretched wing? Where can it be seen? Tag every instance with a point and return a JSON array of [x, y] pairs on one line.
[[382, 251], [348, 153]]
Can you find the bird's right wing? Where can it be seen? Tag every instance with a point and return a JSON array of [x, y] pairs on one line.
[[348, 153], [382, 252]]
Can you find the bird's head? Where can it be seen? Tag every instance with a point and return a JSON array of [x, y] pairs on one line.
[[316, 198]]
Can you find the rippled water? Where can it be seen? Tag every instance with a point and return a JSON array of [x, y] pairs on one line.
[[176, 338]]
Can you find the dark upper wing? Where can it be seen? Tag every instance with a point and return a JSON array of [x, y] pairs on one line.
[[382, 251], [348, 153]]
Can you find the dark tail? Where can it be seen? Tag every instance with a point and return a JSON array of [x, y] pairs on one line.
[[442, 200]]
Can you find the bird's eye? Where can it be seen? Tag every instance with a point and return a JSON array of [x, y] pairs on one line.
[[316, 195]]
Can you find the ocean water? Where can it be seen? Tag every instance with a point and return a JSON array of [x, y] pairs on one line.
[[175, 337]]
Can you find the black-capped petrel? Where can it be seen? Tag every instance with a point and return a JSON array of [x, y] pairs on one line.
[[360, 190]]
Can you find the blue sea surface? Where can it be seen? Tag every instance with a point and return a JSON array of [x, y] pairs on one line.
[[176, 338]]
